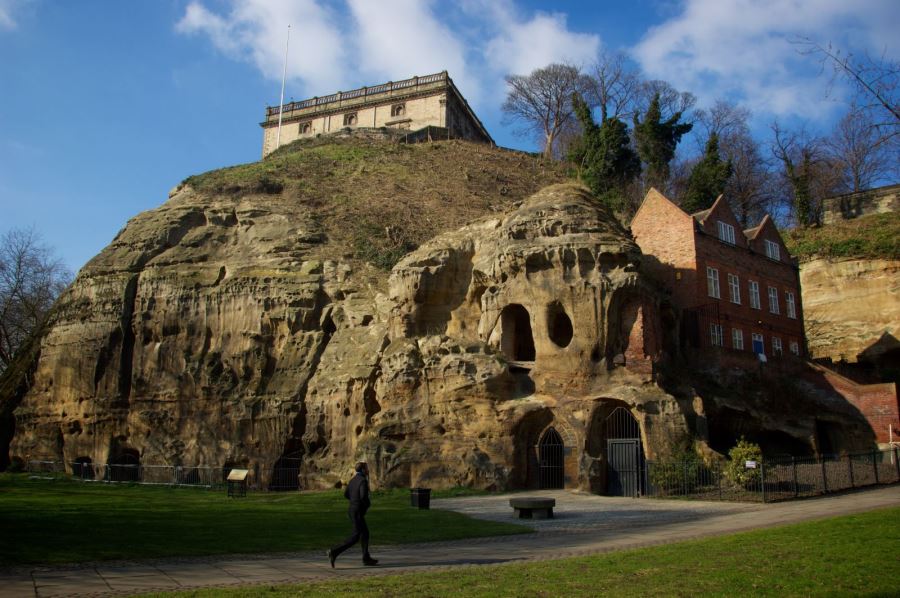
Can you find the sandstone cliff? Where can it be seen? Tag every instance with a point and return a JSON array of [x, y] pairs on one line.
[[851, 307], [250, 320]]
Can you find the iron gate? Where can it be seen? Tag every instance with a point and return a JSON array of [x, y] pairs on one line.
[[550, 451], [624, 467], [624, 454]]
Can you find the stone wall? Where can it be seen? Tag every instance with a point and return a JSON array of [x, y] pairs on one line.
[[852, 205], [418, 112]]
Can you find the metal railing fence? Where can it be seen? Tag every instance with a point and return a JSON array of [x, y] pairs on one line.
[[159, 475], [773, 479]]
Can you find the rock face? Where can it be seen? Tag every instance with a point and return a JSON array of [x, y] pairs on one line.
[[214, 333], [231, 330], [851, 307]]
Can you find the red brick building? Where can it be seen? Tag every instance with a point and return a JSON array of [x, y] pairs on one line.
[[736, 289]]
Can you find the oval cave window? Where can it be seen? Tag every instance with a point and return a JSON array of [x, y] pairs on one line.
[[559, 325], [516, 342]]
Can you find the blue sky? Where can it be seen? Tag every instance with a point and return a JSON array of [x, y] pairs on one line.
[[106, 105]]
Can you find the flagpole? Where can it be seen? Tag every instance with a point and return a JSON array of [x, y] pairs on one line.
[[283, 77]]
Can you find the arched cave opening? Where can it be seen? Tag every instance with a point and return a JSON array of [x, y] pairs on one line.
[[83, 468], [559, 325], [516, 340], [525, 472], [614, 442], [125, 466], [286, 470], [551, 457]]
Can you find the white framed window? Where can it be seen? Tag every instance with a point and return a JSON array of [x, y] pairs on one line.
[[734, 288], [773, 301], [754, 295], [795, 347], [712, 282], [737, 339], [726, 232], [776, 346], [758, 345], [791, 304], [773, 251], [716, 335]]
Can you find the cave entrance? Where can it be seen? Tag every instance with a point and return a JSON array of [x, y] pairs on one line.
[[614, 444], [83, 468], [516, 340], [625, 455], [551, 460], [286, 471], [125, 467]]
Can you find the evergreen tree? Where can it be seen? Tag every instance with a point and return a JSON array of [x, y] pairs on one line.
[[607, 161], [708, 178], [656, 141]]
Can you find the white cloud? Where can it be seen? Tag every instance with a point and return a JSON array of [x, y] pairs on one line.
[[8, 13], [743, 49], [338, 46], [520, 45], [256, 31], [400, 38]]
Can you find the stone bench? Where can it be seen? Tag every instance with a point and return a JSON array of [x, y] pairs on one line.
[[533, 508]]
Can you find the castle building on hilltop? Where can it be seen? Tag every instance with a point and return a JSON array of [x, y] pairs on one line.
[[738, 289], [409, 105]]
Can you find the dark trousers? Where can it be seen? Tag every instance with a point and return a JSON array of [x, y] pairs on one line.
[[360, 534]]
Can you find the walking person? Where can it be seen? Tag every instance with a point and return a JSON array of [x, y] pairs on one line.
[[357, 493]]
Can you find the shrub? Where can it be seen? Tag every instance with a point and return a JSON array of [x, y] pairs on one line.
[[736, 469], [679, 476]]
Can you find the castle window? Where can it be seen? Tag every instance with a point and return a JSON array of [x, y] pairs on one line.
[[737, 339], [305, 128], [773, 251], [726, 232], [734, 288], [716, 336], [758, 345], [791, 304], [773, 300], [350, 119], [754, 295], [795, 347], [398, 109], [776, 346], [712, 282]]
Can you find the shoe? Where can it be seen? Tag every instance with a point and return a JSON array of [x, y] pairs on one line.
[[370, 562], [331, 557]]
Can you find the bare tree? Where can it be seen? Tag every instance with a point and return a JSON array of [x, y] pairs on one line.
[[807, 173], [542, 101], [31, 278], [876, 81], [749, 190], [615, 86], [725, 119], [671, 101], [861, 153]]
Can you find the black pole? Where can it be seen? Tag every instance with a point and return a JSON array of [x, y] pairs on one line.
[[794, 467], [850, 470], [875, 464]]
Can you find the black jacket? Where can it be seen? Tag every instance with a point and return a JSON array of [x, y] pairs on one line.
[[357, 493]]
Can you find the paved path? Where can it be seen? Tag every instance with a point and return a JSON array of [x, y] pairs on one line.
[[583, 524]]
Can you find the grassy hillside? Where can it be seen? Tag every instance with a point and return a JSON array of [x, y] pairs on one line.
[[871, 237], [376, 199]]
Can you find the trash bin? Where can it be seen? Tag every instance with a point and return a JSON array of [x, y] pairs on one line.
[[420, 497]]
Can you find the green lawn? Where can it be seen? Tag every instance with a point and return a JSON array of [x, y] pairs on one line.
[[66, 521], [855, 555]]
